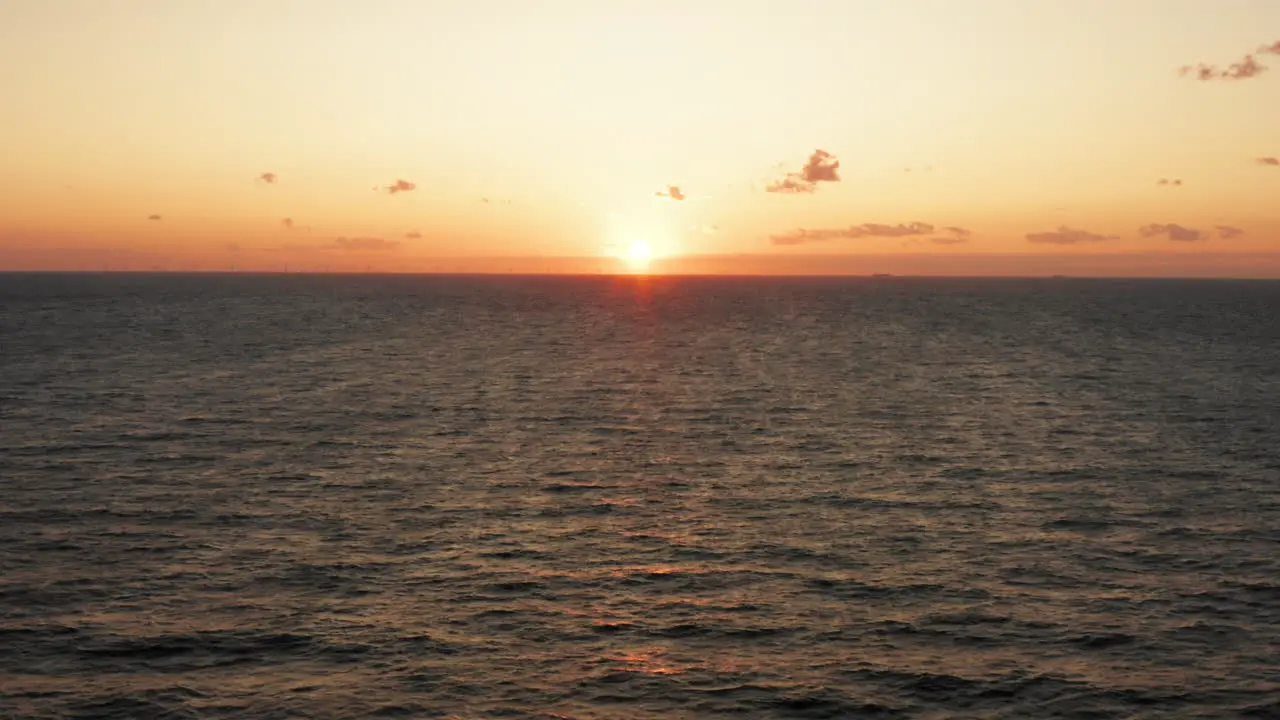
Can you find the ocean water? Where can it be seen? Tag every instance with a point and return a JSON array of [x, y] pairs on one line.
[[506, 497]]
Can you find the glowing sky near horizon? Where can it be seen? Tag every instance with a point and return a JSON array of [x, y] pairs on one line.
[[580, 128]]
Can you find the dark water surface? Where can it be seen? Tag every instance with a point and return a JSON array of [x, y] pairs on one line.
[[362, 497]]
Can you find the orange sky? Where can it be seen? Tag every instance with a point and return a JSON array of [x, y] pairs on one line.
[[973, 129]]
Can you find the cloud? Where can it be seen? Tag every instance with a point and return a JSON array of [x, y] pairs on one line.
[[1249, 67], [953, 236], [413, 235], [672, 192], [1166, 181], [803, 235], [791, 184], [1172, 231], [1273, 161], [287, 223], [821, 167], [1272, 49], [400, 186], [1067, 236], [268, 178], [1226, 232], [154, 217], [365, 244], [899, 230]]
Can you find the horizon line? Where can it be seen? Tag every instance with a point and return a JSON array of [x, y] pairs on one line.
[[639, 275]]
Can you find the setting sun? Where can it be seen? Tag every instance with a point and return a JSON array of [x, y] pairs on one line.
[[638, 255]]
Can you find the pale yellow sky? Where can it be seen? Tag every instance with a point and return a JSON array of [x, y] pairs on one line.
[[1015, 117]]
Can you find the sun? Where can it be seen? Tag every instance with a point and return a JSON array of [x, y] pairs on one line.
[[638, 255]]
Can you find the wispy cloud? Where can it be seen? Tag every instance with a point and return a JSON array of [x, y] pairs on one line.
[[1226, 232], [400, 186], [365, 244], [154, 217], [790, 185], [1272, 161], [1246, 68], [821, 167], [1172, 231], [953, 235], [804, 235], [1067, 236], [1272, 49], [268, 178], [413, 235], [672, 192], [1167, 181]]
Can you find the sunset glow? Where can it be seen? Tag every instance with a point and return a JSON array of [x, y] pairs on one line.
[[638, 256], [423, 136]]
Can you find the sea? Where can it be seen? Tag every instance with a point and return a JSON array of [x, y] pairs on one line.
[[564, 498]]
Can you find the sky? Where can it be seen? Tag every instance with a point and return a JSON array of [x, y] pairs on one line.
[[508, 135]]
